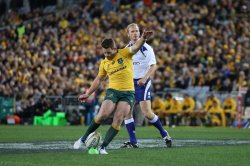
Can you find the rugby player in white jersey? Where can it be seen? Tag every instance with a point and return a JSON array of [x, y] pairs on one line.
[[144, 66]]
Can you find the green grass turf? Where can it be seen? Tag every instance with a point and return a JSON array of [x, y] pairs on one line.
[[195, 156], [181, 156], [46, 133]]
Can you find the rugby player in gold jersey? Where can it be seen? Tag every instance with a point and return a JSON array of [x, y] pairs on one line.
[[118, 67]]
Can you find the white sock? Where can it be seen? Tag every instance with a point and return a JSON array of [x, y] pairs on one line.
[[154, 119], [127, 121]]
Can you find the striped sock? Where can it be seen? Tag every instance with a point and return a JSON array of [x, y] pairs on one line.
[[130, 125], [157, 123]]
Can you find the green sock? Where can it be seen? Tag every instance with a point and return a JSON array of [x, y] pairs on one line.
[[111, 133], [92, 127]]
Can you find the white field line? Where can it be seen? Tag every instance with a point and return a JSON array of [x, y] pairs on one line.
[[115, 144]]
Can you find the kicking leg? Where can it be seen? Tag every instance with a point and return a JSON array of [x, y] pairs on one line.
[[121, 111], [106, 109]]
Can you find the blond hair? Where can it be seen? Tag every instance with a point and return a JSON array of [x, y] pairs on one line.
[[130, 25]]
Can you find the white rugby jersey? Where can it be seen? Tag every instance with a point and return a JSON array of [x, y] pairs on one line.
[[142, 60]]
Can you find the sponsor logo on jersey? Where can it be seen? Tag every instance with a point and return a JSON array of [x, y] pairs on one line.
[[136, 63], [122, 68], [110, 95], [120, 61]]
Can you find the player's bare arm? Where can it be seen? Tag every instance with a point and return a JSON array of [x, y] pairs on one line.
[[150, 72], [95, 85], [138, 44]]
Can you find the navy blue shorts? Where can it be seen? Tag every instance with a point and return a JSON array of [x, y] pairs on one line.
[[142, 93]]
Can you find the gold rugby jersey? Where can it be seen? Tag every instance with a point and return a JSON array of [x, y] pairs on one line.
[[119, 70]]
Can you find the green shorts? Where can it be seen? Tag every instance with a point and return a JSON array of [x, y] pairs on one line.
[[116, 96]]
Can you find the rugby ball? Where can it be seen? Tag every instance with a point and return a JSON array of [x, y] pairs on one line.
[[93, 140]]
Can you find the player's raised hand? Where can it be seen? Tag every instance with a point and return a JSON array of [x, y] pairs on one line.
[[147, 33], [83, 97], [139, 43]]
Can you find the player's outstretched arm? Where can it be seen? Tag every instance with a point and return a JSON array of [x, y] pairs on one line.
[[139, 43], [94, 86]]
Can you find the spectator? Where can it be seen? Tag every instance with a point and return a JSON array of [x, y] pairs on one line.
[[229, 108], [216, 114], [197, 44], [187, 107]]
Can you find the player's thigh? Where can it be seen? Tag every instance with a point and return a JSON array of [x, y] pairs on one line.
[[106, 109], [122, 109], [145, 106]]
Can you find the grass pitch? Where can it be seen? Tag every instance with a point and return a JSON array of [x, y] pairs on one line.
[[199, 154]]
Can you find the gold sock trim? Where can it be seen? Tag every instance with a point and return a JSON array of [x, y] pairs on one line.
[[116, 127], [96, 121]]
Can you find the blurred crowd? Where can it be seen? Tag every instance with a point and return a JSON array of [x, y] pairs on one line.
[[190, 111], [197, 43]]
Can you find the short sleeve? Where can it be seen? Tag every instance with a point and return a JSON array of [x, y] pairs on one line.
[[126, 52], [152, 59], [102, 72]]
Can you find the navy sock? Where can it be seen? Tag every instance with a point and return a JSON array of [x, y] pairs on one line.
[[157, 123], [130, 125]]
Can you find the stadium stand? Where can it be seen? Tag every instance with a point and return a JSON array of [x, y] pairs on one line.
[[201, 47]]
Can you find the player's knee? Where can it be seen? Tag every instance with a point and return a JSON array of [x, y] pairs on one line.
[[102, 117], [117, 121], [149, 114], [147, 111]]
